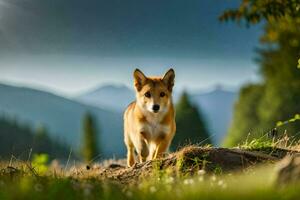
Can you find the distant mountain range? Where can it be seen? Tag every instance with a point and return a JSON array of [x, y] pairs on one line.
[[216, 105], [114, 97], [62, 116]]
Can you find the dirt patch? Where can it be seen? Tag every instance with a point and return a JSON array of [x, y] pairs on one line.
[[190, 160]]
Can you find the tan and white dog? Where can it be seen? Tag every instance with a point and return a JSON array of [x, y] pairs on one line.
[[149, 122]]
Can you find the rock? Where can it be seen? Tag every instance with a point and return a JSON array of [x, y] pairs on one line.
[[114, 166], [10, 171], [289, 170]]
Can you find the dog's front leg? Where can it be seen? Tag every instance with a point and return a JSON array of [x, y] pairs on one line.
[[142, 150], [162, 145]]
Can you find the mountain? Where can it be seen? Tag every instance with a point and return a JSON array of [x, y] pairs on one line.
[[216, 105], [62, 117], [114, 97]]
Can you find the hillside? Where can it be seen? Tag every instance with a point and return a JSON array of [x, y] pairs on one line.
[[61, 116], [192, 173]]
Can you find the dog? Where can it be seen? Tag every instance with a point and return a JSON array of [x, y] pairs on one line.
[[149, 121]]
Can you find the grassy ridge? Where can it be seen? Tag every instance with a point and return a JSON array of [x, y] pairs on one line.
[[255, 183], [37, 180]]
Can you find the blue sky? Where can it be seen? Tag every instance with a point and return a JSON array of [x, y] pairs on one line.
[[69, 46]]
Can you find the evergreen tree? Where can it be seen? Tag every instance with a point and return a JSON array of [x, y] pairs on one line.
[[190, 126], [90, 139], [280, 97], [41, 141]]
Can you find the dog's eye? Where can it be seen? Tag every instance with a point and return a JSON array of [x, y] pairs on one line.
[[162, 94], [147, 94]]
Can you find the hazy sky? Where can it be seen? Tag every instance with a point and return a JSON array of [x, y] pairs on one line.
[[69, 46]]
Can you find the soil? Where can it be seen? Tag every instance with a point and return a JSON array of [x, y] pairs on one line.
[[190, 160]]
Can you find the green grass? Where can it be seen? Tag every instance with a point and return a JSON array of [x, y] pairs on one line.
[[264, 143], [257, 144], [258, 183], [36, 180]]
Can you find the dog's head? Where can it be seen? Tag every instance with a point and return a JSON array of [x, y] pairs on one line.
[[154, 94]]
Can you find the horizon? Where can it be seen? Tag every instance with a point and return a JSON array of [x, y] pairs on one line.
[[212, 88], [71, 85]]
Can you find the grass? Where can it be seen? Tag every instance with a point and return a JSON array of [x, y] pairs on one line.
[[258, 183], [36, 180], [266, 142], [255, 184]]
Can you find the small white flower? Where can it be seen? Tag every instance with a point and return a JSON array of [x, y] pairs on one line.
[[200, 178], [152, 189], [188, 181], [170, 180], [201, 172], [140, 186], [213, 178], [220, 182], [224, 186]]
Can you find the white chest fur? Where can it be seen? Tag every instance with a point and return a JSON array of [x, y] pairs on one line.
[[155, 128]]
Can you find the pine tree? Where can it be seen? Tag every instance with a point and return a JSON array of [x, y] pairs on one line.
[[90, 139], [41, 140], [189, 124]]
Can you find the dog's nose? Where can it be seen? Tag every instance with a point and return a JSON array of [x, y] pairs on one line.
[[155, 108]]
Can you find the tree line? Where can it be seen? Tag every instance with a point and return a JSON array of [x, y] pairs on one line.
[[277, 97], [20, 141]]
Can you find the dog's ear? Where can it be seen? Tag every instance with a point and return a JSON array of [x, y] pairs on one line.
[[139, 79], [169, 79]]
